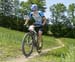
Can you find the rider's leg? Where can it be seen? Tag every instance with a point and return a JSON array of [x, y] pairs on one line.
[[40, 38]]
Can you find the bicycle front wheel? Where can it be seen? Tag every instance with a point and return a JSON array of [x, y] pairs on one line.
[[27, 44]]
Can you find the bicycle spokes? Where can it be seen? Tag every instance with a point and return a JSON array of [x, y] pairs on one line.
[[27, 45]]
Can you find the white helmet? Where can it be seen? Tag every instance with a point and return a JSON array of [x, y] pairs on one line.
[[34, 7]]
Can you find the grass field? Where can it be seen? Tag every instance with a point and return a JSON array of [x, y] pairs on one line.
[[10, 47], [65, 54], [10, 43]]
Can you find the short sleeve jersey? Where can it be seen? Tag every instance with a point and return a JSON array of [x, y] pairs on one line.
[[37, 17]]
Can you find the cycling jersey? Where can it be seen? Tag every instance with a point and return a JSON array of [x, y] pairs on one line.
[[37, 17]]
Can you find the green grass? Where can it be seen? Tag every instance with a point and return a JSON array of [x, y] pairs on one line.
[[54, 56], [59, 55], [10, 43], [49, 42], [10, 47], [70, 55], [68, 41]]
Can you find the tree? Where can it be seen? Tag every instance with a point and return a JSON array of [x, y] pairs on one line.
[[57, 10], [7, 7], [16, 7], [40, 3], [0, 7], [24, 8], [58, 16], [26, 5], [9, 11], [71, 12], [71, 16]]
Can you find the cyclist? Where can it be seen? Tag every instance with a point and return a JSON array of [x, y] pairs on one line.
[[40, 20]]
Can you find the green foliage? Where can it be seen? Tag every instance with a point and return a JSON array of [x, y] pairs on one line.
[[40, 3], [25, 6], [57, 10], [57, 15], [71, 11], [12, 23], [61, 24], [9, 15], [7, 7]]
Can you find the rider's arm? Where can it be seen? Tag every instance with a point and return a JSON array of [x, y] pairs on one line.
[[43, 17], [44, 21], [28, 18], [26, 22]]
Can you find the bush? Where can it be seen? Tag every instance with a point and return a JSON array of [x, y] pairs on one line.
[[62, 29], [12, 22]]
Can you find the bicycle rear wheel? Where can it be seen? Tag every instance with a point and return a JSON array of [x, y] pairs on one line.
[[27, 44]]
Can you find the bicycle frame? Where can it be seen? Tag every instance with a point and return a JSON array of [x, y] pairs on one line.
[[34, 42]]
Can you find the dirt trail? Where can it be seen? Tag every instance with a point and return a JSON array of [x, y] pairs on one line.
[[24, 59]]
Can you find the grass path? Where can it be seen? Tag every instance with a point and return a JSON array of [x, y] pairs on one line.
[[23, 59]]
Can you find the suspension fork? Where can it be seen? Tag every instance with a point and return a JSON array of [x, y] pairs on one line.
[[34, 35]]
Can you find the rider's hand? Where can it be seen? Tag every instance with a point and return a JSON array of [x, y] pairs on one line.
[[24, 24]]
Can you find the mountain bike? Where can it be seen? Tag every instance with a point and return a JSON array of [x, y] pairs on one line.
[[30, 40]]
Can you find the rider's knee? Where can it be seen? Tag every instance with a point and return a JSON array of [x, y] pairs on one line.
[[40, 32]]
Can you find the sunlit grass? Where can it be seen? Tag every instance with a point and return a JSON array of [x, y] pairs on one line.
[[65, 54], [10, 46], [10, 43]]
